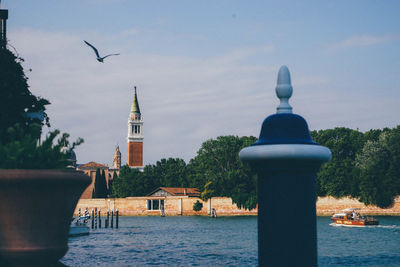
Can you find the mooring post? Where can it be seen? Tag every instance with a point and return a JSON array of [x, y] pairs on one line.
[[116, 218], [92, 219], [286, 160], [99, 218], [79, 215], [112, 218], [95, 218], [86, 215], [108, 218]]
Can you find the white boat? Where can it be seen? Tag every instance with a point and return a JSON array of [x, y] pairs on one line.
[[78, 228]]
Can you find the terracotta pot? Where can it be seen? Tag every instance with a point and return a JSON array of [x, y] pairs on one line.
[[36, 207]]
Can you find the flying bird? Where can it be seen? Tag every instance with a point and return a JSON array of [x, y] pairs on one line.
[[99, 58]]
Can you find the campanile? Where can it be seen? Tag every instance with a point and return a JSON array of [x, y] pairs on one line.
[[135, 136]]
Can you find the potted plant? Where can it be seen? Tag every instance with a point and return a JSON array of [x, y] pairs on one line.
[[38, 193]]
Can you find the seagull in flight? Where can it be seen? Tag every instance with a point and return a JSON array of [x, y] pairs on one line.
[[99, 58]]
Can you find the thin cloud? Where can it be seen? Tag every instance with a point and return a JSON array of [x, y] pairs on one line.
[[362, 40]]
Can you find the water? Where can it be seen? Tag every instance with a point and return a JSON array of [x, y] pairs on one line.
[[225, 241], [353, 246]]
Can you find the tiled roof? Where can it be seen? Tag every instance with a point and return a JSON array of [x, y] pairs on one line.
[[93, 165], [179, 191]]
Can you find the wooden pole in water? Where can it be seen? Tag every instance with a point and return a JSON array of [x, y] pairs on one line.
[[95, 216], [108, 218], [86, 215], [112, 218], [116, 219], [99, 218], [92, 219]]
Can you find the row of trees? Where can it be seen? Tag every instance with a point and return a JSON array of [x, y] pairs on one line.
[[365, 166]]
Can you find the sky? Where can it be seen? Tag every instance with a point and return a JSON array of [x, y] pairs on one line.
[[206, 68]]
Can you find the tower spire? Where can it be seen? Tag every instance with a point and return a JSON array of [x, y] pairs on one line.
[[135, 104]]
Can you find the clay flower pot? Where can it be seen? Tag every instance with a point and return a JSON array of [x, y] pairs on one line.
[[36, 207]]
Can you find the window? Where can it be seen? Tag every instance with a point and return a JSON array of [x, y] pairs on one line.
[[155, 204]]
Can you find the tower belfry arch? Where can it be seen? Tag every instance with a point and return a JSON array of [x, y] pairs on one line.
[[135, 135]]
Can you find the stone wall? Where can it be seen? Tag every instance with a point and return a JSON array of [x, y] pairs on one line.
[[329, 205], [183, 205], [173, 206]]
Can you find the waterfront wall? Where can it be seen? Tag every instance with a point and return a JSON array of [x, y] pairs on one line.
[[329, 205], [183, 205], [173, 206]]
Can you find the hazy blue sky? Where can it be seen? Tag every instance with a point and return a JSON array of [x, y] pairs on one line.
[[206, 68]]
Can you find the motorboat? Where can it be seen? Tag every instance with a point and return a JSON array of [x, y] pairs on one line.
[[78, 227], [351, 217]]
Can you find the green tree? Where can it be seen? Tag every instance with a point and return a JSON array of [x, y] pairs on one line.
[[23, 151], [379, 174], [169, 172], [17, 104], [338, 177], [217, 171], [22, 117], [197, 206], [129, 183], [110, 183], [100, 186]]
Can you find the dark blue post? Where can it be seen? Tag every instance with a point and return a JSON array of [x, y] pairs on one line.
[[286, 160]]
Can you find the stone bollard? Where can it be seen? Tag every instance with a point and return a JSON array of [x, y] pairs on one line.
[[286, 160]]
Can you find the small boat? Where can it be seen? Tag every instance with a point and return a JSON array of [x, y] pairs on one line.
[[351, 217], [78, 227]]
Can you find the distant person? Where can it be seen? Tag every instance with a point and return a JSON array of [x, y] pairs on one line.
[[354, 214]]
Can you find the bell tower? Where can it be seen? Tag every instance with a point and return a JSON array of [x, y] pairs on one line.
[[117, 159], [135, 136]]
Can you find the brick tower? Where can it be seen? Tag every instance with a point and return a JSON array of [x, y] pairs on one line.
[[135, 137]]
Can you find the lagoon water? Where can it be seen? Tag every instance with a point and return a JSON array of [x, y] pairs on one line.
[[225, 241]]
